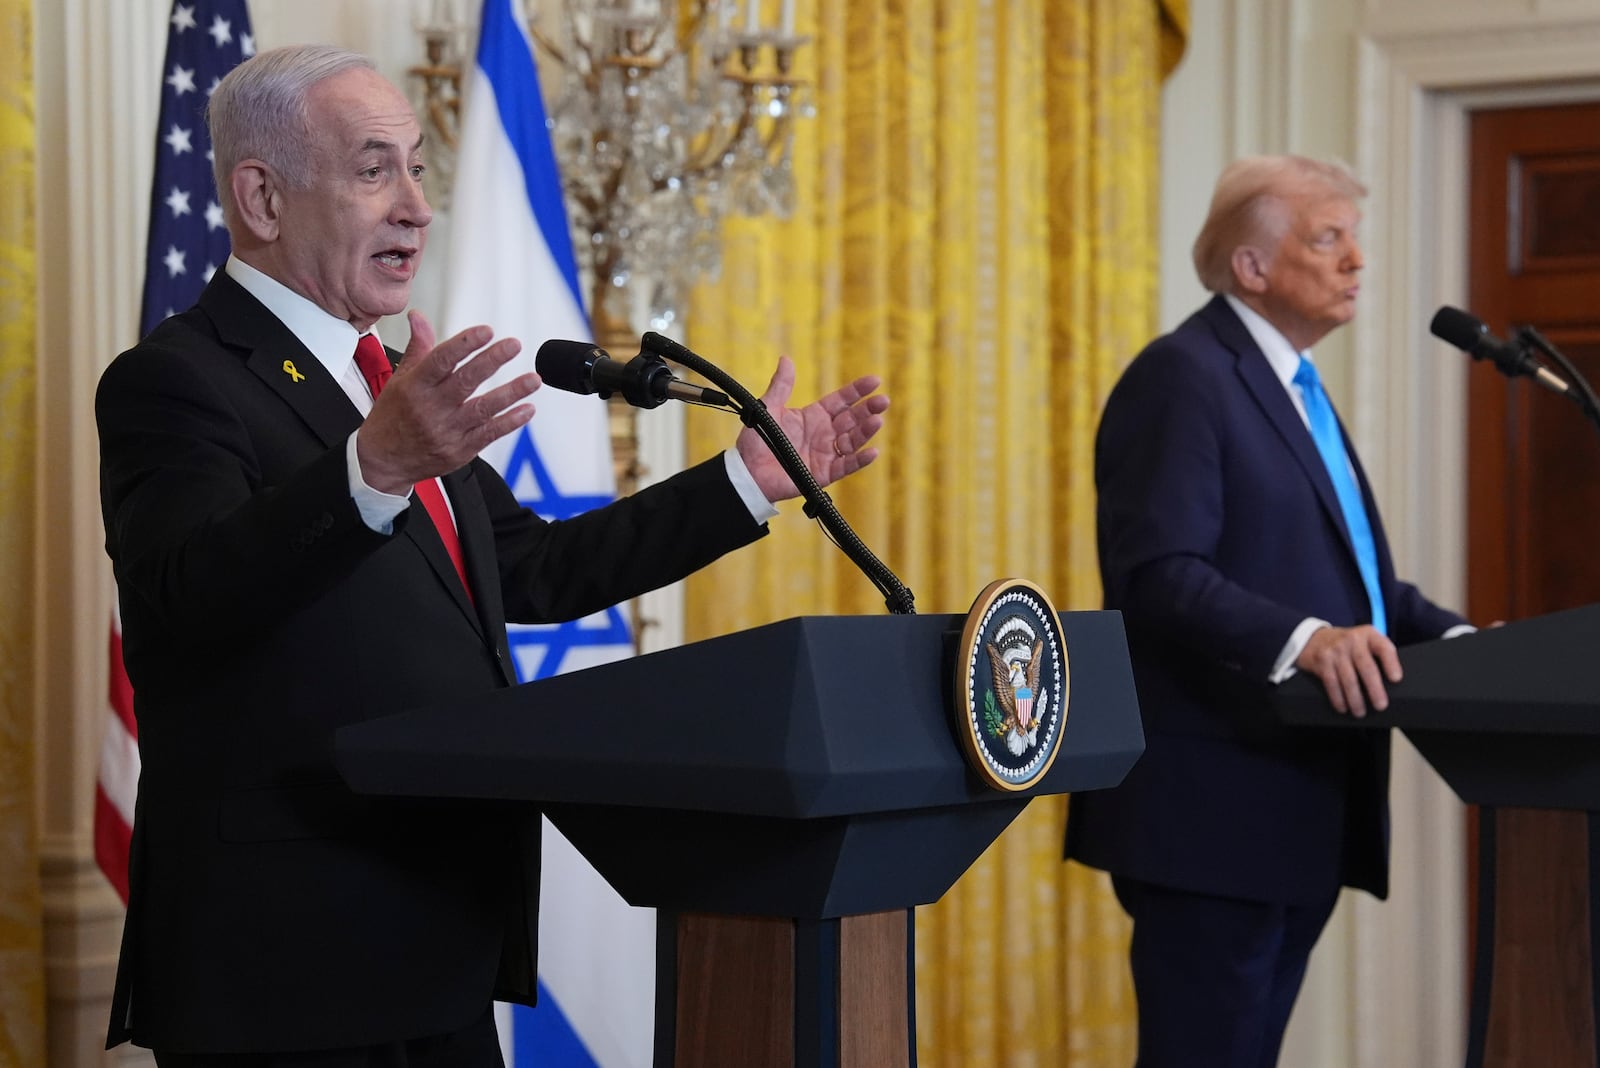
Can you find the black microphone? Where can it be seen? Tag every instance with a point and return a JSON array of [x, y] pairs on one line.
[[644, 381], [1469, 334]]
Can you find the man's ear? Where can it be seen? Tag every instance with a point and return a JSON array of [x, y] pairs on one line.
[[257, 194], [1250, 269]]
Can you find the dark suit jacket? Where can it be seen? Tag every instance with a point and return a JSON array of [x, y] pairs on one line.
[[270, 907], [1218, 532]]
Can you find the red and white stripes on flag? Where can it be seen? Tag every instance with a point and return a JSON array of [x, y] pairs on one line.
[[119, 773]]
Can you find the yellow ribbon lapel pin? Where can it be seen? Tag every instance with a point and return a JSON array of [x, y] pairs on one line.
[[292, 371]]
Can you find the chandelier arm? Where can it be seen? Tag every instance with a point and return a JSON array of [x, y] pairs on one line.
[[444, 115], [709, 159], [585, 200], [554, 50], [580, 43], [602, 270], [777, 137], [696, 31]]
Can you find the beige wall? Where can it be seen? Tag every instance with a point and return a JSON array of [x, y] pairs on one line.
[[1384, 86]]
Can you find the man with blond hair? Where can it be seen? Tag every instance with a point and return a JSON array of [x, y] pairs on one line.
[[1240, 539]]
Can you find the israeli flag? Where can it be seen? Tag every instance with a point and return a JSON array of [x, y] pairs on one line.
[[510, 265]]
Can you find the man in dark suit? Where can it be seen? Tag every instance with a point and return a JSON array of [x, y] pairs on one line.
[[303, 538], [1239, 538]]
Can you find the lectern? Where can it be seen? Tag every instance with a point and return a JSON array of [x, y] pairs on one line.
[[1510, 719], [785, 796]]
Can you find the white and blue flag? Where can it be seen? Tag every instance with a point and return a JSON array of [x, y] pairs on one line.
[[511, 265]]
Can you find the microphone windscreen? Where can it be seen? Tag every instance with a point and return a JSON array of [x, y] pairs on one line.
[[568, 365], [1457, 327]]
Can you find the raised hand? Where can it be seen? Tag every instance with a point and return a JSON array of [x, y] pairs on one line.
[[427, 421], [830, 433]]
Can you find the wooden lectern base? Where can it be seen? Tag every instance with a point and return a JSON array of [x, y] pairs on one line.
[[782, 993], [1534, 980]]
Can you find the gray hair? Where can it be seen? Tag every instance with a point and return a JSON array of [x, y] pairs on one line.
[[259, 111], [1249, 206]]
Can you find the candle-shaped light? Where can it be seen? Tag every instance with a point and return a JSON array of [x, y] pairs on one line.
[[788, 18], [752, 16]]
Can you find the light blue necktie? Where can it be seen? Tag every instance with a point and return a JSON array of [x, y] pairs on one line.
[[1330, 443]]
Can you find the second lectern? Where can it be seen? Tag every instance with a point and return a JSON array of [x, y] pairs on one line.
[[1510, 718], [785, 796]]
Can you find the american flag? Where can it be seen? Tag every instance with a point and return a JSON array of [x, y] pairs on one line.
[[205, 40], [187, 244]]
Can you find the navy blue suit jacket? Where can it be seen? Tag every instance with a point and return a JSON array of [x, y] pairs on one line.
[[1218, 532]]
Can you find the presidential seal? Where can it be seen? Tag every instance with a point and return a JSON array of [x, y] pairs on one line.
[[1011, 684]]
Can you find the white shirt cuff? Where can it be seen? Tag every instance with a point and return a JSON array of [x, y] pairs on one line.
[[1458, 630], [744, 484], [1283, 667], [377, 508]]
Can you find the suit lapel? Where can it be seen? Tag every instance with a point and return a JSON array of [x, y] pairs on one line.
[[1273, 400], [422, 531], [278, 358], [287, 367], [476, 530]]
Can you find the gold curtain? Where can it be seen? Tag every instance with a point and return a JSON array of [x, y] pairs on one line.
[[976, 221], [21, 926]]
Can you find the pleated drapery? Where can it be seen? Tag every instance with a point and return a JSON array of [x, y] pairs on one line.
[[976, 221], [22, 1029]]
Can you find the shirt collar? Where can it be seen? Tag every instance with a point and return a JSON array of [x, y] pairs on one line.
[[1281, 355], [332, 341]]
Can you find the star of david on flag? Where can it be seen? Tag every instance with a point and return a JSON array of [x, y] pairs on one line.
[[540, 652]]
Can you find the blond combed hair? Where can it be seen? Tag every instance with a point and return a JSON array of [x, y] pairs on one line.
[[1249, 207]]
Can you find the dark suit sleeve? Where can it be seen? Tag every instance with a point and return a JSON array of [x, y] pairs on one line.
[[1414, 618], [567, 569], [1163, 513], [213, 532]]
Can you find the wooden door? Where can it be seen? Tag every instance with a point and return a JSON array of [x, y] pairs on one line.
[[1533, 501], [1533, 496]]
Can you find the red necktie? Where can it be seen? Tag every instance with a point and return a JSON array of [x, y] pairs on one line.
[[376, 369]]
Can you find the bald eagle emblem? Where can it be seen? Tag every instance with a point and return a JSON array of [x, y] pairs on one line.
[[1014, 661], [1011, 711]]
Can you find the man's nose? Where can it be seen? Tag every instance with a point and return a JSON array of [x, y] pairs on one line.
[[412, 208]]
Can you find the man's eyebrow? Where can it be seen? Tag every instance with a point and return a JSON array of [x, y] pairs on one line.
[[380, 144]]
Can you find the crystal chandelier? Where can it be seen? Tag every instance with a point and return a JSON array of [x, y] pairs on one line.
[[668, 116]]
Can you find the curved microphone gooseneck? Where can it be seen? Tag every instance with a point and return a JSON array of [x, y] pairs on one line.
[[819, 506], [1579, 389]]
